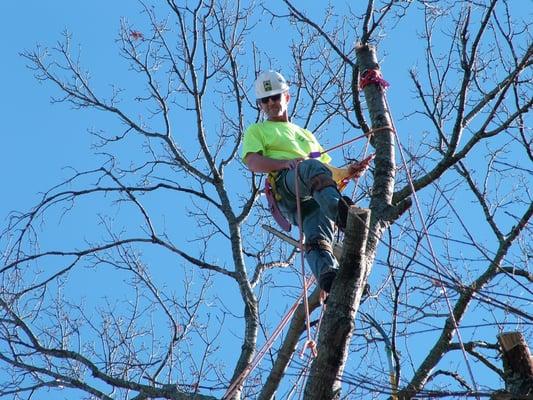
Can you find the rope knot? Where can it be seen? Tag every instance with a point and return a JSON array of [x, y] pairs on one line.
[[311, 344], [372, 76]]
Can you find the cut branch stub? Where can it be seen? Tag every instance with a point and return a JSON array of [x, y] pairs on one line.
[[517, 364]]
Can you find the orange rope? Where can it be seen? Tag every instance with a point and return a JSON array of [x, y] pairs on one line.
[[310, 342], [316, 154], [267, 345], [433, 254], [357, 179]]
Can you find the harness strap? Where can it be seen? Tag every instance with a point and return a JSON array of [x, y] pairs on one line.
[[319, 244], [272, 198], [272, 177], [320, 182]]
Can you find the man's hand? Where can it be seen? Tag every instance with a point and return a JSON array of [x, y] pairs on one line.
[[357, 169]]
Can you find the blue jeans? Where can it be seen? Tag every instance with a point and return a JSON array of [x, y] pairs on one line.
[[319, 210]]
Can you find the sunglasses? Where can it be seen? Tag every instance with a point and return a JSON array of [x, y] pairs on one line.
[[274, 98]]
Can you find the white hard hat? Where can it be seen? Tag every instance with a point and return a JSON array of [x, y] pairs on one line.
[[269, 83]]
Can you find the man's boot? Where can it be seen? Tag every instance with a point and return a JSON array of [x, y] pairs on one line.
[[342, 214]]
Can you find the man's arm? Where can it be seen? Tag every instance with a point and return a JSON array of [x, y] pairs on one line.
[[258, 163], [261, 164]]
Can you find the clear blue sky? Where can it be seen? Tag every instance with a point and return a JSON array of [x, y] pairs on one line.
[[40, 139]]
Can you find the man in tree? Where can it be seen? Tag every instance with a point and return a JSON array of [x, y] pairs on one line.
[[282, 149]]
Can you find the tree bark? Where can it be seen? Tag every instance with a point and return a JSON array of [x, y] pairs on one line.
[[384, 162]]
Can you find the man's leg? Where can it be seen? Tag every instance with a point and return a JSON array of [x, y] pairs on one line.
[[320, 207], [314, 180], [319, 233]]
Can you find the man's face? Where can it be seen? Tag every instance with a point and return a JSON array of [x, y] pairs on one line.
[[275, 107]]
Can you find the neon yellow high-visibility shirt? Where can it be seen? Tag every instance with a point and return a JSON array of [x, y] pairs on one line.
[[281, 141]]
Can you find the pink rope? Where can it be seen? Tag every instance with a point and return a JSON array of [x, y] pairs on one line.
[[434, 256], [317, 154], [308, 364], [310, 343], [357, 179], [372, 76], [266, 346]]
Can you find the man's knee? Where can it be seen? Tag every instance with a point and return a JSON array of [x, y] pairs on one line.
[[317, 175], [313, 165]]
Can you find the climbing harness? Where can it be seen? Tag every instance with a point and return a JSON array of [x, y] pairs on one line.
[[317, 183], [310, 343], [273, 197], [321, 181], [318, 245]]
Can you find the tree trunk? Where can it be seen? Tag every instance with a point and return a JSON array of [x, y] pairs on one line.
[[382, 210], [342, 306], [363, 233]]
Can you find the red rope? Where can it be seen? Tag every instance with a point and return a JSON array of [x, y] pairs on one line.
[[317, 154], [433, 254], [267, 345], [372, 76], [310, 343], [361, 168], [309, 358], [357, 179]]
